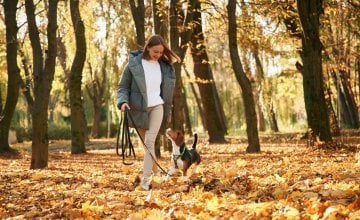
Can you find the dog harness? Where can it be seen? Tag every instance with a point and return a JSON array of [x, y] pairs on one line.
[[177, 156], [182, 155]]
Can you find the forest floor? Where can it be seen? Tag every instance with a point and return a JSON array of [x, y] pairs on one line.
[[287, 180]]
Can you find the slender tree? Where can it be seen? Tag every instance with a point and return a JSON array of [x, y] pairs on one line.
[[13, 72], [245, 84], [258, 93], [313, 83], [292, 25], [180, 35], [78, 124], [138, 13], [215, 118], [161, 18], [339, 53], [43, 70], [96, 90]]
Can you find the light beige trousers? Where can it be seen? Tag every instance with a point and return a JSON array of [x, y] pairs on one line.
[[149, 136]]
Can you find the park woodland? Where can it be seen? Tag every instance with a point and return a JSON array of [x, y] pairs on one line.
[[270, 87]]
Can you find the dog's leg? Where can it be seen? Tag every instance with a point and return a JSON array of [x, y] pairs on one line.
[[184, 170], [170, 172]]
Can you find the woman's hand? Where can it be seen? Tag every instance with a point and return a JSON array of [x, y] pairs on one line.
[[124, 106]]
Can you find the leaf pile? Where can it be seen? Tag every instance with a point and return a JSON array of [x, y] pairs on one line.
[[285, 181]]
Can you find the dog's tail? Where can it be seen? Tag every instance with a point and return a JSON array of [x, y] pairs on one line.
[[195, 141]]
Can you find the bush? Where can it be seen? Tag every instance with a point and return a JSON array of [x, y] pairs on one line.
[[22, 134], [59, 132], [103, 129], [62, 132]]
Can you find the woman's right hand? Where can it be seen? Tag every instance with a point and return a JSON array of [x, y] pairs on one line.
[[124, 106]]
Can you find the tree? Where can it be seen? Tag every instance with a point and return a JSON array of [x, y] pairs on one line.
[[180, 35], [292, 25], [43, 70], [341, 57], [259, 76], [138, 13], [13, 72], [243, 80], [160, 16], [78, 124], [315, 105], [215, 119], [96, 89]]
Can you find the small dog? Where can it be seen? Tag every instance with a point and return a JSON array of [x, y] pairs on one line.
[[181, 157]]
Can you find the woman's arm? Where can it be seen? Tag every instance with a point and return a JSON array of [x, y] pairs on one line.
[[124, 88]]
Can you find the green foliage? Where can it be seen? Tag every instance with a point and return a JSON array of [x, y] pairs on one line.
[[59, 132], [103, 130], [22, 134]]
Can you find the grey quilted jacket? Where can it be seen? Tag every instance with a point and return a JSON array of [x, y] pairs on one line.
[[132, 90]]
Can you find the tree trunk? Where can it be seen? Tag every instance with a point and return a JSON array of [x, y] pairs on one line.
[[188, 126], [78, 124], [334, 124], [160, 18], [317, 115], [245, 84], [26, 87], [215, 119], [350, 103], [13, 72], [342, 110], [357, 71], [273, 122], [43, 77], [197, 99], [177, 20], [259, 76], [95, 128], [96, 93], [138, 13], [259, 111]]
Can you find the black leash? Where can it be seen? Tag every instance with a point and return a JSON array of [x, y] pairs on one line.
[[128, 140], [126, 144]]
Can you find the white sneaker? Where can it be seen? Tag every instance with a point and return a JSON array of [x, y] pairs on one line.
[[145, 184]]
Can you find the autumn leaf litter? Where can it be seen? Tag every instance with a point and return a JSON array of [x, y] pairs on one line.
[[287, 180]]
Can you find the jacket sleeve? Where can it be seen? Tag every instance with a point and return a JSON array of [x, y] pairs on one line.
[[124, 86], [168, 88]]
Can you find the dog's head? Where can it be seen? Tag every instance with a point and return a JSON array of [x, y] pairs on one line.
[[176, 136]]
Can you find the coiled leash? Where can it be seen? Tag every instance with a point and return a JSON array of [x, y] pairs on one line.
[[127, 136], [127, 148]]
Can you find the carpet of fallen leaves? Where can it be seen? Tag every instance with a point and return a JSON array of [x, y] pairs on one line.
[[287, 180]]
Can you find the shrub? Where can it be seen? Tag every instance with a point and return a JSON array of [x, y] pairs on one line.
[[59, 132]]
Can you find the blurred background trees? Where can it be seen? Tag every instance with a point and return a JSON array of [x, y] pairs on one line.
[[269, 41]]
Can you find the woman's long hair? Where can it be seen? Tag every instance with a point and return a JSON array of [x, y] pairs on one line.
[[168, 54]]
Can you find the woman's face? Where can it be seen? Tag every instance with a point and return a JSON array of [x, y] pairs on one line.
[[155, 52]]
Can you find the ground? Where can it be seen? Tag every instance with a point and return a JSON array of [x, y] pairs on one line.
[[287, 180]]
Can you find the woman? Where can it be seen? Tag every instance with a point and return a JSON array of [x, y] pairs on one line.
[[146, 88]]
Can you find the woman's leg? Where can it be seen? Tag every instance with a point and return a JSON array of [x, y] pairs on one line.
[[155, 120]]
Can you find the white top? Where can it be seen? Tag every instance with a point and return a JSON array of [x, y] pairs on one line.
[[153, 81]]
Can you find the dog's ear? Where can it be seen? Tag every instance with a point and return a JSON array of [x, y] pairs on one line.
[[179, 139]]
